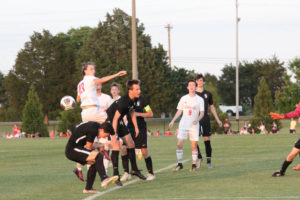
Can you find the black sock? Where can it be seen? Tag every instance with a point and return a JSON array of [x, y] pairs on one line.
[[208, 150], [199, 153], [100, 167], [132, 158], [284, 166], [125, 163], [91, 175], [115, 162], [149, 164]]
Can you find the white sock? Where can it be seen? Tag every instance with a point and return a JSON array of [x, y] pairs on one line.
[[106, 164], [194, 157], [179, 154]]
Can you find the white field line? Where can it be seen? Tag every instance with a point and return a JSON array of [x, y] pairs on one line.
[[130, 182]]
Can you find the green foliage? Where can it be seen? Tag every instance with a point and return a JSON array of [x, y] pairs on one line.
[[222, 116], [8, 114], [263, 106], [249, 75], [3, 95], [33, 119], [69, 119], [294, 66]]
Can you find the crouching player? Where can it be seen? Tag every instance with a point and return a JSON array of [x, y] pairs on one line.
[[79, 149], [296, 149]]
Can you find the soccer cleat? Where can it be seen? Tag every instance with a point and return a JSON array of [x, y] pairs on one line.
[[178, 168], [198, 163], [150, 177], [118, 182], [138, 174], [92, 191], [106, 155], [193, 168], [78, 173], [277, 174], [108, 181], [126, 176], [297, 167], [209, 166]]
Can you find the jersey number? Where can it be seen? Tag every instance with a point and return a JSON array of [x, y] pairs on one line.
[[190, 112], [81, 88]]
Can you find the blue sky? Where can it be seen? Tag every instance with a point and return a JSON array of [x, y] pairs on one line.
[[203, 34]]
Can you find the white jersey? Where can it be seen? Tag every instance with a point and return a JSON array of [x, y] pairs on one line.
[[105, 101], [191, 107], [87, 90]]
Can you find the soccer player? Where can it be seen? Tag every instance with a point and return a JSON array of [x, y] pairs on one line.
[[116, 112], [205, 121], [295, 150], [142, 111], [192, 107], [79, 149], [87, 94]]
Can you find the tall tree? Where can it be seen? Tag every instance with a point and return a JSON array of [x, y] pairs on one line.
[[3, 95], [47, 62], [33, 119], [263, 106]]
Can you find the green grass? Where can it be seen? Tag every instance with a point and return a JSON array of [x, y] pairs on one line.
[[37, 169]]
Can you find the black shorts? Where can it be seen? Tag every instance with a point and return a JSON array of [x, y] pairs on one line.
[[204, 128], [297, 144], [292, 130], [141, 140], [122, 129], [77, 153]]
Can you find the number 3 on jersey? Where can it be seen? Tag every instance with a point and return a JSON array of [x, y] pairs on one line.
[[81, 88]]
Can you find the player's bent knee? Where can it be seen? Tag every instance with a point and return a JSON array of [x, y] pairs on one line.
[[92, 157]]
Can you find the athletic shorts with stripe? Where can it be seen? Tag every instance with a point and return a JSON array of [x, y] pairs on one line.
[[141, 140], [77, 153]]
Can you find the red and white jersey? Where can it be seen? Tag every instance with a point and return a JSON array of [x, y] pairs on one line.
[[105, 101], [87, 90], [191, 107]]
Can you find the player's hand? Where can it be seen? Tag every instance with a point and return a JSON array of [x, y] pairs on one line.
[[219, 123], [171, 124], [122, 73], [137, 132], [195, 122], [276, 116]]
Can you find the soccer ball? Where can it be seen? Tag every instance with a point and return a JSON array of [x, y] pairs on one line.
[[67, 103]]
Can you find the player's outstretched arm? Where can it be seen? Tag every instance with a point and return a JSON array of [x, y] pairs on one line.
[[276, 116], [178, 113], [108, 78], [213, 111]]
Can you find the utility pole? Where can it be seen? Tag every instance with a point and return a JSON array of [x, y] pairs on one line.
[[169, 27], [237, 66], [133, 42]]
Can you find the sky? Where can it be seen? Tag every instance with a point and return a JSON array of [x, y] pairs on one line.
[[203, 37]]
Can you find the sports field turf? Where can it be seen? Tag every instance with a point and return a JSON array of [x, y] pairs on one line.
[[37, 169]]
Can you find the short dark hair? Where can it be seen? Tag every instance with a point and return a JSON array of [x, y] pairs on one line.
[[191, 80], [199, 76], [114, 84], [131, 83], [85, 65]]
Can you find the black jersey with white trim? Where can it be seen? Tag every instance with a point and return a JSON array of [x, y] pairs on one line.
[[208, 100], [84, 132], [124, 105], [140, 104]]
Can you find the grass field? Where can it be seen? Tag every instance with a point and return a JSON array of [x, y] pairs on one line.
[[37, 169]]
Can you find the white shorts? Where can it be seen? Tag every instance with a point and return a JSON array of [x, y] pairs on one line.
[[93, 114], [193, 133]]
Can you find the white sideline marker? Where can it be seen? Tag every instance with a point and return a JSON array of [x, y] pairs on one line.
[[130, 182]]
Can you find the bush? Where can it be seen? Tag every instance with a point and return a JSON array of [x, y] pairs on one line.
[[69, 119]]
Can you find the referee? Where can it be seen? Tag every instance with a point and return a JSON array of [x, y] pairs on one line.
[[205, 130]]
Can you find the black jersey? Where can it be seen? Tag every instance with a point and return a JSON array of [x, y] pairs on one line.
[[84, 132], [208, 100], [124, 105], [139, 106]]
